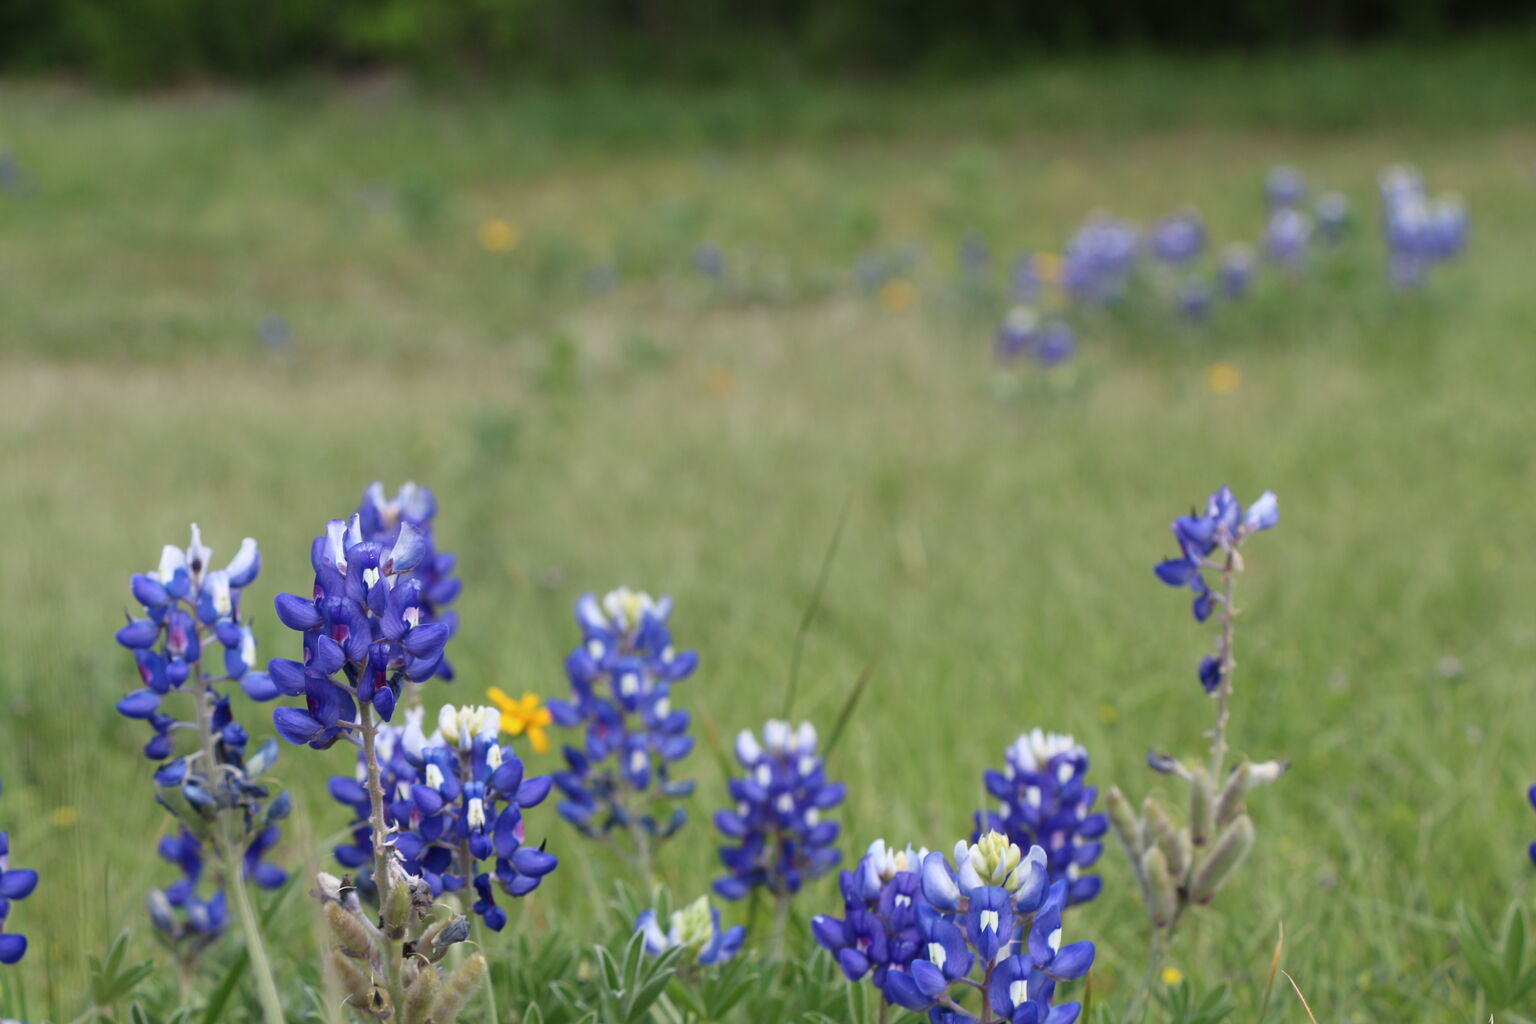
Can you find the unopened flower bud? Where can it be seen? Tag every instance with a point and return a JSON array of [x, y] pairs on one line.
[[458, 987], [351, 934], [1201, 805], [1231, 846], [1124, 823], [1162, 897], [420, 997], [1229, 804], [355, 979]]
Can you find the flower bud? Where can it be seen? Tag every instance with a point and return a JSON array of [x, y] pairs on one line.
[[1124, 823], [1201, 805], [420, 997], [397, 905], [457, 988], [1229, 804], [1176, 846], [1157, 827], [1162, 897], [354, 979], [1231, 846], [351, 935]]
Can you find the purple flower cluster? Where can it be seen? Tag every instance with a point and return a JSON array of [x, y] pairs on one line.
[[1099, 258], [1209, 542], [187, 604], [369, 623], [381, 520], [695, 927], [778, 838], [621, 677], [1044, 801], [452, 800], [979, 940], [15, 884], [1049, 342], [1420, 232], [214, 790]]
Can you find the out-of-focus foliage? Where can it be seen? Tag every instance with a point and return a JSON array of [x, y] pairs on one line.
[[153, 41]]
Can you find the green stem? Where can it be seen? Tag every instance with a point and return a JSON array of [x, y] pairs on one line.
[[231, 859], [381, 879], [1228, 663], [780, 921]]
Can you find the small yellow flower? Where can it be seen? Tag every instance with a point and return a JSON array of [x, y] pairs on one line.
[[1223, 378], [1048, 267], [1109, 714], [1172, 975], [721, 382], [64, 817], [498, 235], [898, 295], [526, 714]]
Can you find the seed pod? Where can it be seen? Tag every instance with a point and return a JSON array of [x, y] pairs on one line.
[[396, 909], [1157, 826], [1201, 805], [1226, 854], [1162, 897], [457, 988], [379, 1005], [421, 995], [1176, 846], [1230, 803], [1125, 824], [351, 935], [354, 980]]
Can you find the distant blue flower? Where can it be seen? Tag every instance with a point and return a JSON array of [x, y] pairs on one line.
[[974, 255], [696, 927], [15, 884], [1018, 334], [367, 630], [621, 677], [1286, 236], [1098, 259], [1209, 542], [1285, 188], [1044, 801], [1195, 299], [454, 799], [1179, 238], [1332, 214], [1055, 345], [778, 839], [1236, 271], [709, 260], [1419, 232]]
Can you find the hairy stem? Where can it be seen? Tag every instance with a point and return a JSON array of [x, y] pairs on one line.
[[1228, 663], [381, 879]]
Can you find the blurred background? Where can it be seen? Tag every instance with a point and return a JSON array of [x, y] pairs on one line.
[[650, 292]]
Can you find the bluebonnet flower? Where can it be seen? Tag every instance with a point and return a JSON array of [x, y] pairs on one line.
[[15, 884], [1098, 259], [1285, 188], [1210, 542], [878, 932], [1026, 278], [1419, 232], [368, 623], [621, 677], [1236, 271], [974, 255], [781, 841], [1055, 345], [696, 927], [1019, 332], [192, 610], [991, 924], [452, 800], [380, 518], [1045, 802], [1179, 238], [1332, 214], [709, 260], [1286, 235], [1195, 299], [1531, 794]]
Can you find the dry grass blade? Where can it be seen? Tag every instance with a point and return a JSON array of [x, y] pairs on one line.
[[1303, 998]]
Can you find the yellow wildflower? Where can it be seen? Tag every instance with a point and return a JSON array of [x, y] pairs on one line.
[[526, 714], [498, 235], [1223, 378], [1172, 975], [898, 295]]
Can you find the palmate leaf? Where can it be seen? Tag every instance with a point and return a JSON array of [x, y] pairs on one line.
[[111, 981]]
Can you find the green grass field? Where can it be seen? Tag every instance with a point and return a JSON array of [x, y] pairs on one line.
[[701, 442]]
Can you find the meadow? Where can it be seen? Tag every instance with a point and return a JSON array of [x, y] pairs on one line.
[[591, 411]]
